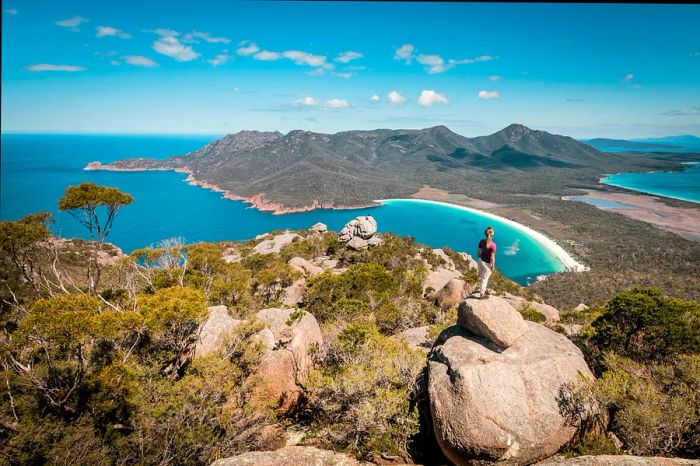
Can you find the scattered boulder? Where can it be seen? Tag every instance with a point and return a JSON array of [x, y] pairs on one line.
[[416, 338], [276, 243], [294, 293], [286, 362], [438, 278], [498, 395], [305, 267], [492, 318], [320, 227], [454, 292], [581, 307], [213, 332], [550, 312], [364, 227], [620, 460], [470, 260], [290, 456]]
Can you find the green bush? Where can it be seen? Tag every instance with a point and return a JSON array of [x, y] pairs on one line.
[[533, 315]]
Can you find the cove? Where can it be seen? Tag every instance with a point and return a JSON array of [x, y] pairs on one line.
[[683, 185], [37, 168]]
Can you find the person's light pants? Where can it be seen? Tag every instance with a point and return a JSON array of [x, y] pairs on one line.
[[484, 274]]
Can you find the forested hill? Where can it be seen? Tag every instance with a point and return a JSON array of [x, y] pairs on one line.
[[303, 168]]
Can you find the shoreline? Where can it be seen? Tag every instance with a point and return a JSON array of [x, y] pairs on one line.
[[256, 201], [605, 181], [683, 221], [570, 264]]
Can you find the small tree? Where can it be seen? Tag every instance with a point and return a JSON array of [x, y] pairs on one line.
[[83, 202], [19, 238]]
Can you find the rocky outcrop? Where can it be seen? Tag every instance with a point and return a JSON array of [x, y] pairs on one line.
[[454, 292], [305, 267], [416, 338], [438, 278], [275, 243], [294, 293], [449, 264], [286, 362], [620, 460], [497, 386], [551, 313], [360, 233], [214, 331], [290, 456], [320, 227]]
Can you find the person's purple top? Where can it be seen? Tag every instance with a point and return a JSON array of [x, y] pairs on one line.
[[486, 252]]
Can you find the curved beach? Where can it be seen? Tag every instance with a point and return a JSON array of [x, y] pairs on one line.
[[570, 264]]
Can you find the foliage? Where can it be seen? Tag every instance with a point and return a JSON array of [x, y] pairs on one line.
[[18, 241], [643, 324], [530, 313], [358, 398]]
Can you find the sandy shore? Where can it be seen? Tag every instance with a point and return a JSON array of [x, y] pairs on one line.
[[651, 209], [569, 262]]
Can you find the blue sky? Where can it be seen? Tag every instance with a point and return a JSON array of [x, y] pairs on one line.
[[219, 67]]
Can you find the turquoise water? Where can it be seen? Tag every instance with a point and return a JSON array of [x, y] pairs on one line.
[[37, 168], [601, 202], [684, 185]]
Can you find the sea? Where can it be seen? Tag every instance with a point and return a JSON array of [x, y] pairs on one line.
[[36, 169], [684, 185]]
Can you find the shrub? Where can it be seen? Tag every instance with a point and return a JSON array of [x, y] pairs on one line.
[[533, 315], [358, 397]]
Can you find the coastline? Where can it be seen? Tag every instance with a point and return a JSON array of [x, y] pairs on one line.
[[257, 201], [680, 220], [570, 264], [605, 180]]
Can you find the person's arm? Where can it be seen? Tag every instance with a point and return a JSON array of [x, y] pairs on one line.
[[493, 258], [478, 250]]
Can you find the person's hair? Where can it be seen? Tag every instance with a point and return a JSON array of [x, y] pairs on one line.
[[486, 231]]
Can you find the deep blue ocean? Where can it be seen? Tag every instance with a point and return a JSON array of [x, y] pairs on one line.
[[36, 169]]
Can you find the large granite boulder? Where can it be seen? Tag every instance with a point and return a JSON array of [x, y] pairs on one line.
[[213, 332], [294, 293], [319, 227], [290, 456], [449, 264], [286, 362], [497, 392], [492, 318], [362, 227], [454, 292], [416, 338]]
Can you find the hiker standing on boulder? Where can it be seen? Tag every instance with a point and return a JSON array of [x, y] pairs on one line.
[[487, 261]]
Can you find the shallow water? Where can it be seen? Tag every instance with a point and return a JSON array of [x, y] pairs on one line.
[[684, 185], [37, 168]]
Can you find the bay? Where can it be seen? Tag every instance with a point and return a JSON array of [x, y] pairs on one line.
[[36, 169], [684, 185]]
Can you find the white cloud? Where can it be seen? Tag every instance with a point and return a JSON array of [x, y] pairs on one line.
[[306, 58], [104, 31], [139, 60], [495, 77], [163, 32], [375, 98], [267, 55], [10, 11], [337, 103], [396, 98], [47, 67], [429, 97], [219, 59], [489, 95], [246, 49], [344, 75], [307, 101], [404, 53], [629, 77], [72, 23], [347, 57], [434, 63], [171, 47], [191, 38]]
